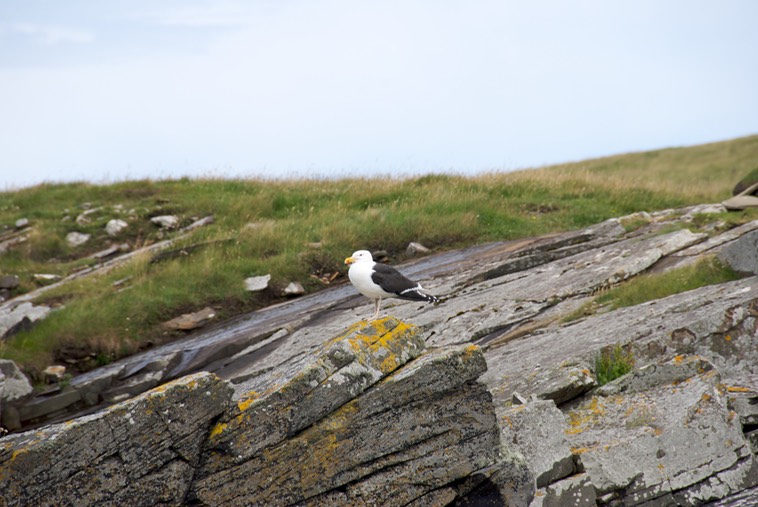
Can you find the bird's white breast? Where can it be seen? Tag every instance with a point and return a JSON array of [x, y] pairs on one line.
[[360, 276]]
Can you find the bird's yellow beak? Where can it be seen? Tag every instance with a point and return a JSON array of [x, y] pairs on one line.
[[349, 260]]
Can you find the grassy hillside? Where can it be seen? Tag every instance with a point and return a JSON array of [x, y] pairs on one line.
[[264, 227]]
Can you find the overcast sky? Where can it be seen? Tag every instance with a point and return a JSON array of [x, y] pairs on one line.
[[106, 91]]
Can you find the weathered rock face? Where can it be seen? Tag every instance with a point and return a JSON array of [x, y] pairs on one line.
[[364, 413], [370, 419], [140, 452]]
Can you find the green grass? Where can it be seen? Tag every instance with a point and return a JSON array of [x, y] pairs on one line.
[[612, 363], [102, 322], [652, 286], [648, 287]]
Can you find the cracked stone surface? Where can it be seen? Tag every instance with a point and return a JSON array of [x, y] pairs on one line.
[[679, 429]]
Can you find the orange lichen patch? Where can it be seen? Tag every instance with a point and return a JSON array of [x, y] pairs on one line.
[[580, 419], [248, 400], [579, 450], [678, 359], [706, 397], [737, 389], [384, 338], [586, 372], [727, 338], [508, 421], [218, 429], [472, 349]]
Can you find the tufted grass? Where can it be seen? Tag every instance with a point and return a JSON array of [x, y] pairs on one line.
[[100, 322], [612, 363]]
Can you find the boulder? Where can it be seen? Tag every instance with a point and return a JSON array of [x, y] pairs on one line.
[[115, 226], [415, 248], [15, 318], [54, 373], [189, 321], [75, 239], [257, 283], [9, 282], [742, 254], [22, 223], [294, 289], [13, 383], [166, 221], [536, 430]]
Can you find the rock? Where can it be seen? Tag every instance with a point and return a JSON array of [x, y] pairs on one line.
[[317, 434], [536, 430], [703, 209], [43, 406], [9, 282], [110, 251], [13, 384], [576, 491], [415, 249], [294, 289], [257, 283], [84, 217], [202, 222], [748, 181], [359, 421], [23, 315], [380, 255], [21, 223], [742, 254], [54, 373], [656, 440], [140, 452], [190, 321], [166, 221], [115, 226], [46, 278], [75, 239]]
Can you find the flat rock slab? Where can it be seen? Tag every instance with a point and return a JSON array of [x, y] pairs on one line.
[[717, 322]]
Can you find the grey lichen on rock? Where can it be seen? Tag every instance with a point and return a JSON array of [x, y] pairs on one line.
[[362, 418], [369, 416], [140, 452]]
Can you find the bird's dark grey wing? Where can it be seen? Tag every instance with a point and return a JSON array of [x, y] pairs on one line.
[[392, 281]]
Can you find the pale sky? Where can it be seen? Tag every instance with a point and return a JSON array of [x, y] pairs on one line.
[[106, 91]]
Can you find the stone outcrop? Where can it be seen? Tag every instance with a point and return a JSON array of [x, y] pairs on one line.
[[371, 418], [680, 428]]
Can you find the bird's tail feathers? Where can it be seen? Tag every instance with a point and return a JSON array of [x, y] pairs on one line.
[[417, 294]]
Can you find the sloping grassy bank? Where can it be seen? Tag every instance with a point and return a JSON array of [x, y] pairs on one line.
[[264, 227]]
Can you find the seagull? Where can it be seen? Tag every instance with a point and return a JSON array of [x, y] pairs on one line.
[[376, 281]]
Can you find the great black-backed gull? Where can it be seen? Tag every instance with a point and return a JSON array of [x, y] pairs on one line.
[[376, 281]]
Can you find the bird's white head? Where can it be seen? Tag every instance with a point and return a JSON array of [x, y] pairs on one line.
[[360, 255]]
